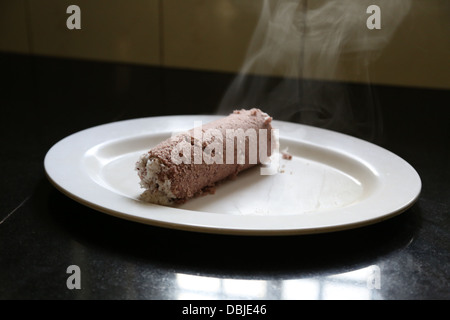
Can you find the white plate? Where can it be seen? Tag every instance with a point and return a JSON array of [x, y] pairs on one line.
[[333, 181]]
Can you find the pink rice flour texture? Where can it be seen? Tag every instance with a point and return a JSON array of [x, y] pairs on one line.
[[190, 164]]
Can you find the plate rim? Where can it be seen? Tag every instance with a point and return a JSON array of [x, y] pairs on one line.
[[227, 230]]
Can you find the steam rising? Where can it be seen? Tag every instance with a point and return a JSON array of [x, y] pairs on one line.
[[297, 40]]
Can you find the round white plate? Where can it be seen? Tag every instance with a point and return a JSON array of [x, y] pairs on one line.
[[333, 181]]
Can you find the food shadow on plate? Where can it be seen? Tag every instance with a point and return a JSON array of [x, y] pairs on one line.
[[223, 197]]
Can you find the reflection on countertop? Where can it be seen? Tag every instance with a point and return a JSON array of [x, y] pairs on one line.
[[359, 284]]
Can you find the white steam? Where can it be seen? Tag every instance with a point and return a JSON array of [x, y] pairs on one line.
[[297, 40]]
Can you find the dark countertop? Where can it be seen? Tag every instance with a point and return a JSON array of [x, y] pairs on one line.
[[43, 232]]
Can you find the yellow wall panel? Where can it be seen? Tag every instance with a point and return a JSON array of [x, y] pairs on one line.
[[13, 26], [419, 53], [206, 34], [315, 39], [412, 48], [120, 30]]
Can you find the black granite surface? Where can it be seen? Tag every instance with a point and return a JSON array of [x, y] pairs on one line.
[[43, 232]]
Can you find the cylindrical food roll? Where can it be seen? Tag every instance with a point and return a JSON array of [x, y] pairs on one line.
[[191, 163]]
